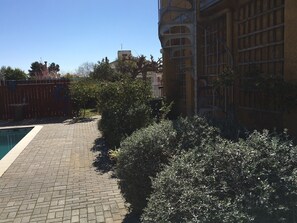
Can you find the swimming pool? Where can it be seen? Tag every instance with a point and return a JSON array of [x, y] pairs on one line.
[[22, 139], [10, 137]]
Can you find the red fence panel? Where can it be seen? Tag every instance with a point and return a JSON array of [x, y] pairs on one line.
[[36, 99]]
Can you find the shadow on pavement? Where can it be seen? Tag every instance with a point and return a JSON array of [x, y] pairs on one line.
[[78, 120], [102, 162], [34, 121], [131, 218], [41, 121]]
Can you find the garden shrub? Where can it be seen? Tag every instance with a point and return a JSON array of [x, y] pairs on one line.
[[248, 181], [83, 94], [229, 128], [193, 132], [160, 108], [124, 108], [145, 152], [140, 157], [271, 169]]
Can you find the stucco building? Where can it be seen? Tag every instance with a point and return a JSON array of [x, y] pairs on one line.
[[219, 55]]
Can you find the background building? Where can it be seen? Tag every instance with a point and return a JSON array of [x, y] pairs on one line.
[[124, 54], [228, 57]]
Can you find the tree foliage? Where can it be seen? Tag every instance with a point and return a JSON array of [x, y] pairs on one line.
[[103, 71], [85, 69], [138, 66], [8, 73], [83, 93], [40, 70], [2, 69], [36, 69], [53, 68], [124, 107]]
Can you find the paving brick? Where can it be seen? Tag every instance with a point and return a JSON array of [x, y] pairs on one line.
[[109, 220], [17, 220], [26, 219], [75, 219], [51, 215], [53, 179], [100, 219]]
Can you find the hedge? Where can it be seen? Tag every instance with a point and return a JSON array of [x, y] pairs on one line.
[[253, 180]]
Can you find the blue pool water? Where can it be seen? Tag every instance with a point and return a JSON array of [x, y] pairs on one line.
[[10, 137]]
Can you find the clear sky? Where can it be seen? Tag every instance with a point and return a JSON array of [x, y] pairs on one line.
[[71, 32]]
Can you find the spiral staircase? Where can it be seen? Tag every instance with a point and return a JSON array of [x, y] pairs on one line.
[[178, 30], [177, 33]]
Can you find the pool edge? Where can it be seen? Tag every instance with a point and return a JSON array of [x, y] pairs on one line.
[[11, 156]]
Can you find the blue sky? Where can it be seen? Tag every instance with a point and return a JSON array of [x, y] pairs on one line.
[[71, 32]]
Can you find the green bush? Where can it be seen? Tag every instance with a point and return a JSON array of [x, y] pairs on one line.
[[83, 94], [145, 152], [124, 107], [160, 108], [193, 132], [140, 157], [249, 181], [229, 128]]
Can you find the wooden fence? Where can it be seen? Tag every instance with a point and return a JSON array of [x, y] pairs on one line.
[[34, 99]]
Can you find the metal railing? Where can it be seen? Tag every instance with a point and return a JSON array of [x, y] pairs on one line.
[[204, 4]]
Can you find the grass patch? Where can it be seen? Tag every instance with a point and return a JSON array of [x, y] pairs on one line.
[[88, 113]]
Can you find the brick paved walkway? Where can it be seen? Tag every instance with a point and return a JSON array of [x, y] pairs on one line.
[[53, 180]]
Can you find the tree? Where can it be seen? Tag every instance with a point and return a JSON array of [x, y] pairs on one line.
[[53, 69], [83, 93], [70, 76], [8, 73], [42, 71], [135, 66], [103, 71], [85, 69], [37, 70], [2, 73], [124, 107]]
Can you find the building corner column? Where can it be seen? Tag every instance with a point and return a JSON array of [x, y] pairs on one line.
[[290, 59]]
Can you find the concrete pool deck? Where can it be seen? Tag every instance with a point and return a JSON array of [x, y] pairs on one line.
[[54, 180], [11, 156]]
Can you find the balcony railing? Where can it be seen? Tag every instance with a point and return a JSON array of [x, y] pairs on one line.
[[204, 4]]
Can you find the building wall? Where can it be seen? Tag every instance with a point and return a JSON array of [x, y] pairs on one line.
[[290, 40], [261, 37], [124, 54], [290, 119], [260, 51], [157, 84], [178, 86], [176, 36]]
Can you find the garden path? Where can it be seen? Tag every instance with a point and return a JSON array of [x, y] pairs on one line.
[[54, 179]]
